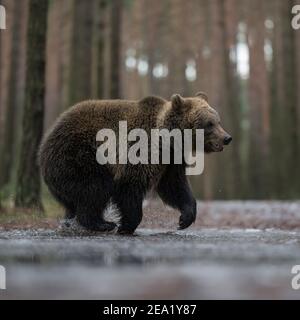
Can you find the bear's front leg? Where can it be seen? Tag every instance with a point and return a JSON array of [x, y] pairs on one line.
[[188, 214], [174, 190], [129, 199]]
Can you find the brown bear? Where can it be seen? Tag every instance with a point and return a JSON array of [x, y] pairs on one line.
[[69, 167]]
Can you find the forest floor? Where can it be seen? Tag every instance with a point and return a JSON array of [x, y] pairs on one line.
[[234, 250]]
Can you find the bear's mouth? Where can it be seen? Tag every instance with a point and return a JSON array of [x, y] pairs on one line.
[[213, 147]]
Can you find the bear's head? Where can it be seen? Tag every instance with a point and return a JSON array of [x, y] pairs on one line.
[[196, 113]]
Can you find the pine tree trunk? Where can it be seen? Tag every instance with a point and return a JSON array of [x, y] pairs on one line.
[[224, 25], [54, 61], [115, 48], [284, 115], [98, 50], [28, 188], [290, 99], [10, 98], [259, 102], [80, 85]]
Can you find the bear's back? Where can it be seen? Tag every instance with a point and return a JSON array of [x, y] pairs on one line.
[[75, 130]]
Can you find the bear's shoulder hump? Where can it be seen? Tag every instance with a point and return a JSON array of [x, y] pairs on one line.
[[151, 102]]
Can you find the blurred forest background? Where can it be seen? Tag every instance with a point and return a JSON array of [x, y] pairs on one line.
[[244, 54]]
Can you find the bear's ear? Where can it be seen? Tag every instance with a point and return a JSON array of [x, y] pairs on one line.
[[177, 101], [202, 95]]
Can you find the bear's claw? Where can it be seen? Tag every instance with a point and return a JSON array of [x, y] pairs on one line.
[[185, 222], [125, 231]]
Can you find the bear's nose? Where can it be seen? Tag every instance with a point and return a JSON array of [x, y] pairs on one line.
[[227, 140]]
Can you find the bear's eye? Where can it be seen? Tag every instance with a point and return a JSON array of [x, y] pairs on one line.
[[209, 125]]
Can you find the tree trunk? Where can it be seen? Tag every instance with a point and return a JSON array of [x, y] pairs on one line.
[[81, 52], [284, 115], [259, 102], [290, 100], [231, 113], [54, 61], [12, 85], [28, 188], [98, 54], [115, 48]]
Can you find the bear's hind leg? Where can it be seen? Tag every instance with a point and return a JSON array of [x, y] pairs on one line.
[[70, 213], [93, 222], [91, 204], [65, 200]]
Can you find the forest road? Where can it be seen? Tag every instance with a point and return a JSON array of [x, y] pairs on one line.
[[155, 263]]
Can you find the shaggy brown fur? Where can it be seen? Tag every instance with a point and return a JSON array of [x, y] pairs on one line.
[[69, 167]]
